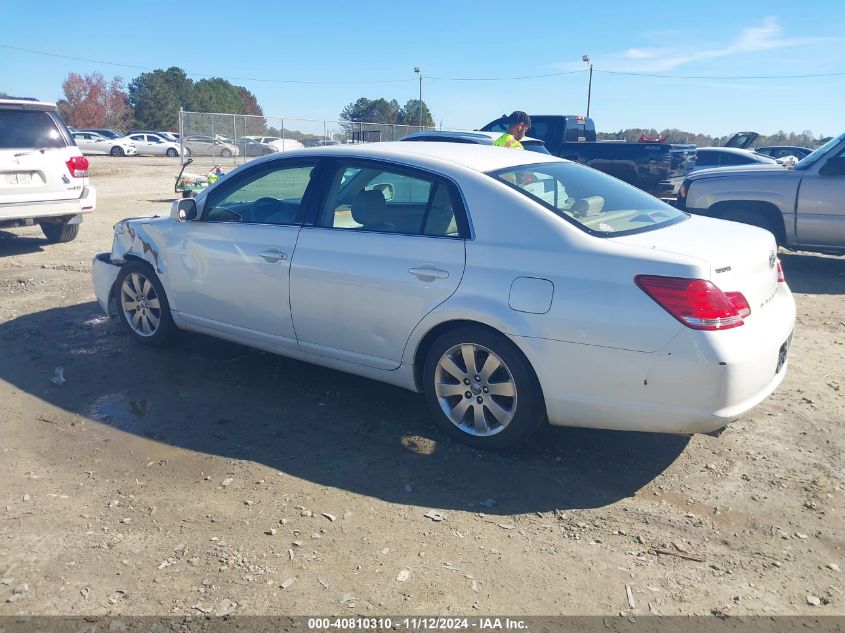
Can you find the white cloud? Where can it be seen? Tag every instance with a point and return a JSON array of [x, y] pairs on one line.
[[767, 35]]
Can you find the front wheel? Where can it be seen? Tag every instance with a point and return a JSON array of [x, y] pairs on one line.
[[172, 152], [117, 151], [226, 153], [142, 305], [481, 389]]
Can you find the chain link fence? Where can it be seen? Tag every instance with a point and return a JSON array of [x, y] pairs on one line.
[[213, 138]]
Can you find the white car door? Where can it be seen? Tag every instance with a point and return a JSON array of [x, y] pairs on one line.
[[229, 270], [155, 145], [84, 142], [141, 144], [385, 248]]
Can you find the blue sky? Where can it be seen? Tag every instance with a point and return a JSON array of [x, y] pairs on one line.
[[339, 43]]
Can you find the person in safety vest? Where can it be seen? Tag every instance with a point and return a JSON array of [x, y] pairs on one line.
[[518, 125]]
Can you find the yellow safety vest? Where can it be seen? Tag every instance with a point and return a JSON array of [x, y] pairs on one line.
[[508, 141]]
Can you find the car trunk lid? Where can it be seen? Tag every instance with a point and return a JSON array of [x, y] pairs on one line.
[[742, 258]]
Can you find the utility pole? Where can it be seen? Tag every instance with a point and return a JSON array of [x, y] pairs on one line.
[[586, 60], [418, 70]]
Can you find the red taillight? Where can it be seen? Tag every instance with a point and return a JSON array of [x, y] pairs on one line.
[[697, 303], [78, 166], [781, 278], [739, 302]]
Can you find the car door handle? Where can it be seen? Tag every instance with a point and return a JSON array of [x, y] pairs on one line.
[[272, 255], [428, 273]]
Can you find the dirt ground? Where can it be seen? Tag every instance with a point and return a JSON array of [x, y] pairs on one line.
[[210, 478]]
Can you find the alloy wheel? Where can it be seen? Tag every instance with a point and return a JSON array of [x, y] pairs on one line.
[[140, 304], [475, 389]]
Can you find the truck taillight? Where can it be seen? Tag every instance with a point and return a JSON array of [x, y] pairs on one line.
[[781, 278], [78, 166], [697, 303]]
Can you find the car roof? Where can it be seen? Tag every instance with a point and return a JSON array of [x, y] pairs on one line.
[[474, 135], [27, 104], [481, 158]]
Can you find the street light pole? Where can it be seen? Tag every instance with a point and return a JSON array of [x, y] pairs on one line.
[[418, 70], [586, 59]]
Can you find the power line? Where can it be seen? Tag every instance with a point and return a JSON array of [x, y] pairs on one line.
[[456, 79], [633, 74]]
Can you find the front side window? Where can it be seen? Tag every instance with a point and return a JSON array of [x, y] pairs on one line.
[[271, 196], [137, 137], [729, 158], [592, 201], [370, 198], [706, 159]]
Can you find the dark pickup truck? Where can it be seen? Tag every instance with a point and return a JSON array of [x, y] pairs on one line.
[[656, 167]]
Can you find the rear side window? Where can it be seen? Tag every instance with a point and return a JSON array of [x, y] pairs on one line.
[[592, 201], [26, 129]]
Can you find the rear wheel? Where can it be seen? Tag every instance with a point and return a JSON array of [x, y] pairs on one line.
[[481, 389], [172, 152], [142, 305], [117, 150], [57, 232]]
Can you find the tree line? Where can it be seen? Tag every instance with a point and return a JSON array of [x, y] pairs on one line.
[[674, 135]]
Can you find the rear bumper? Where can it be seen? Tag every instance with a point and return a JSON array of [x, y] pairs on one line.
[[104, 274], [698, 383], [86, 203]]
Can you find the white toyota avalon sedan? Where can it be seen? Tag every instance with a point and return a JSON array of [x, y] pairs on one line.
[[509, 287]]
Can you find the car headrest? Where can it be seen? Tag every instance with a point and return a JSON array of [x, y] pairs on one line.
[[586, 206], [369, 208]]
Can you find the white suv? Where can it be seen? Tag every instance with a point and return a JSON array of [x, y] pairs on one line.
[[43, 174]]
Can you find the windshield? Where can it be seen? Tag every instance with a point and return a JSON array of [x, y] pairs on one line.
[[813, 157], [592, 201]]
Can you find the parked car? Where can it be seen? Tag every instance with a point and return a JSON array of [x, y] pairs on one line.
[[92, 143], [154, 144], [783, 151], [479, 138], [708, 157], [103, 131], [205, 145], [167, 136], [43, 174], [248, 147], [654, 167], [801, 205], [282, 144], [508, 286]]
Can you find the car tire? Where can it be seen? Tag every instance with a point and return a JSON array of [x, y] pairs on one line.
[[172, 152], [226, 152], [461, 398], [117, 151], [58, 232], [142, 305]]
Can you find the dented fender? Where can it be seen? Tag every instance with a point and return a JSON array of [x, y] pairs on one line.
[[144, 238]]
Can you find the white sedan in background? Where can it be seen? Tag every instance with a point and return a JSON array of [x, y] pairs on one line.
[[154, 145], [510, 287], [91, 143]]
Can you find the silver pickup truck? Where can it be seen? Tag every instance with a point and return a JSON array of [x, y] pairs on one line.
[[803, 206]]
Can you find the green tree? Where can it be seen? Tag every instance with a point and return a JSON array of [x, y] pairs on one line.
[[216, 95], [410, 114], [157, 96], [372, 111]]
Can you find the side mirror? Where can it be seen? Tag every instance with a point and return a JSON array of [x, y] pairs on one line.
[[187, 209], [387, 190], [833, 167]]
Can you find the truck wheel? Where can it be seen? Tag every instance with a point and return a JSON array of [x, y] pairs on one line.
[[57, 232], [481, 389], [753, 218]]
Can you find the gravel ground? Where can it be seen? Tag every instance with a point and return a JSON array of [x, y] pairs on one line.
[[211, 478]]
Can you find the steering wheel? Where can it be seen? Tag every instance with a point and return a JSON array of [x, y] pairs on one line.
[[263, 208]]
